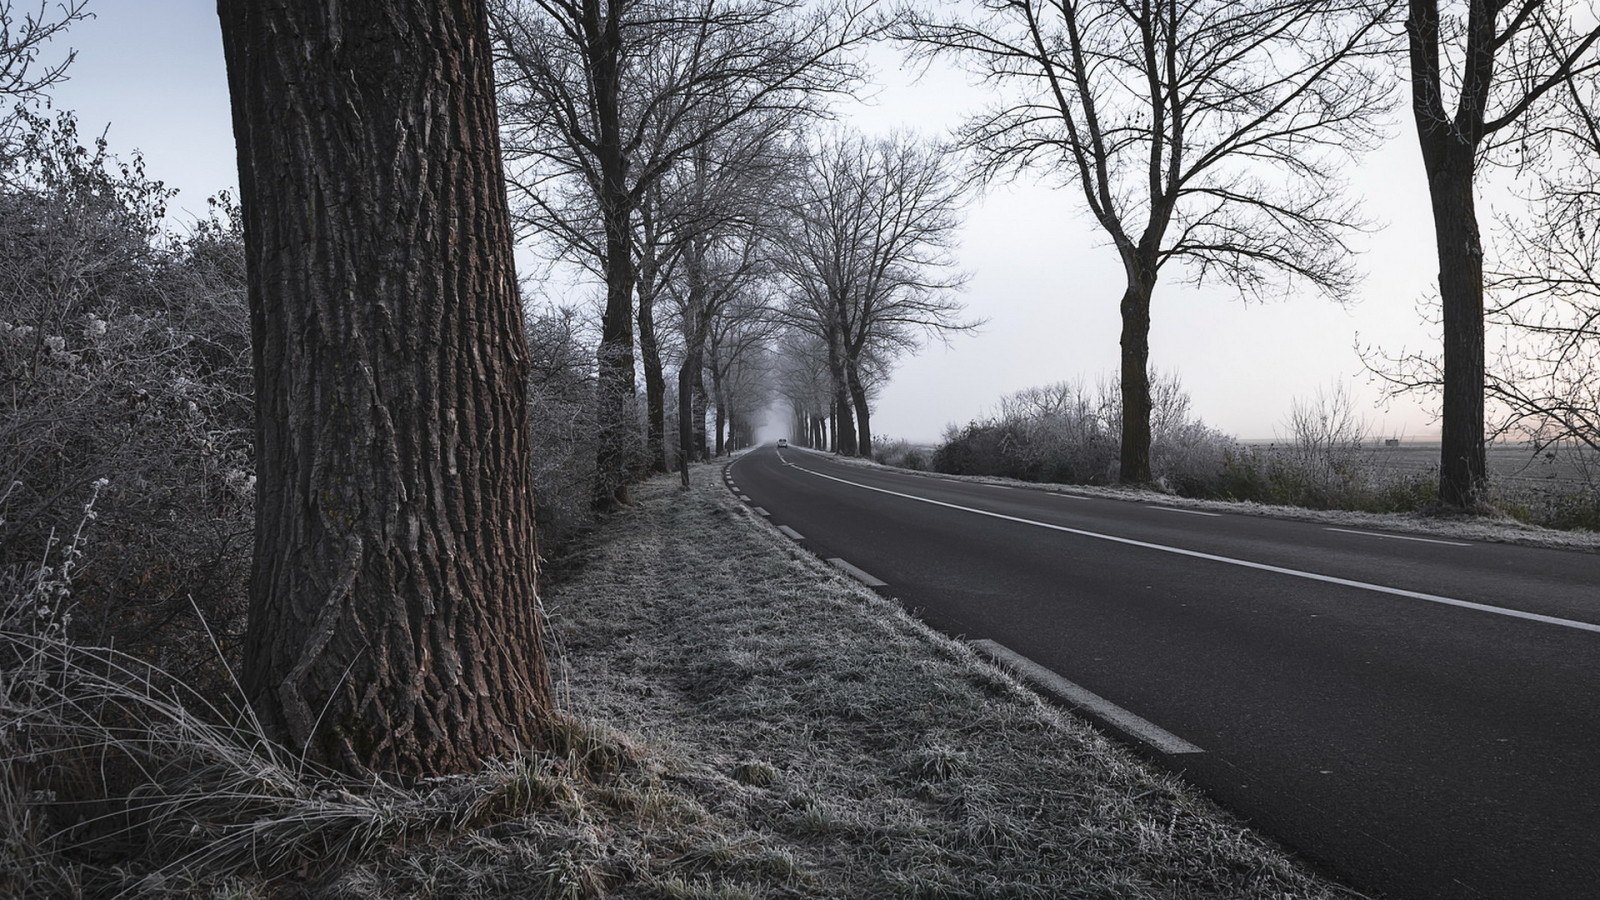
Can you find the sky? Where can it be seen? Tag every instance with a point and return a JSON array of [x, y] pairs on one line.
[[1041, 274]]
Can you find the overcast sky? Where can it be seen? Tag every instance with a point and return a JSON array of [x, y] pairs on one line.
[[1042, 275]]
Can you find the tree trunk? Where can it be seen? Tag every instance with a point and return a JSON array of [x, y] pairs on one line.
[[655, 381], [858, 397], [394, 623], [724, 418], [688, 376], [1462, 465], [702, 442], [1135, 458], [617, 431]]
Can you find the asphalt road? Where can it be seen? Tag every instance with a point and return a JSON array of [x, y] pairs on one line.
[[1421, 718]]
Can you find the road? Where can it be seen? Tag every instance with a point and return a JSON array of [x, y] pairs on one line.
[[1420, 717]]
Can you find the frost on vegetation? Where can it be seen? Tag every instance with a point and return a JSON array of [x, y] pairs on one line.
[[882, 758]]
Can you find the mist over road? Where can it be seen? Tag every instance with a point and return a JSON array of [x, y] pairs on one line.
[[1421, 716]]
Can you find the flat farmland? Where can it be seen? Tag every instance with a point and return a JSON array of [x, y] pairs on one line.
[[1515, 466]]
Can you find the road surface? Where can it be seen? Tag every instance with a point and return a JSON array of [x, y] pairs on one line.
[[1419, 716]]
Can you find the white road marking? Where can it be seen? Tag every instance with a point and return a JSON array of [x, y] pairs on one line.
[[744, 498], [1243, 563], [1066, 496], [856, 573], [760, 512], [1400, 537], [1191, 512], [791, 532], [1076, 695]]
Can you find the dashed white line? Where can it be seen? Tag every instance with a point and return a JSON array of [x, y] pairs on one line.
[[1076, 695], [856, 573], [1400, 537], [791, 532], [1242, 563], [1191, 512], [744, 498], [759, 511]]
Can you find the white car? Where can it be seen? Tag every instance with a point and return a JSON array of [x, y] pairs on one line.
[[783, 442]]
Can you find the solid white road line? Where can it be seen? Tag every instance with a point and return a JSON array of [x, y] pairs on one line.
[[1051, 683], [856, 573], [791, 532], [1190, 512], [1243, 563], [1400, 537]]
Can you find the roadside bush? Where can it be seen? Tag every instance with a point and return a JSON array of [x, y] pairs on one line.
[[1067, 433], [901, 454], [125, 355], [561, 410]]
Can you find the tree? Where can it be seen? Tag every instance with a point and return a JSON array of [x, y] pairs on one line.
[[394, 623], [868, 252], [22, 39], [724, 209], [1500, 63], [1208, 132], [612, 94], [1546, 296]]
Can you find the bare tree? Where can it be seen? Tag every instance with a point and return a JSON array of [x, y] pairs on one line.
[[725, 206], [802, 379], [1208, 132], [23, 36], [611, 94], [394, 623], [1499, 59], [869, 253], [1546, 297], [740, 360]]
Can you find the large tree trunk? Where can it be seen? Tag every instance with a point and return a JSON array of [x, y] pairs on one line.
[[858, 398], [394, 625], [1135, 458]]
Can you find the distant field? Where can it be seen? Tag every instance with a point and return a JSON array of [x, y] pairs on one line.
[[1509, 464]]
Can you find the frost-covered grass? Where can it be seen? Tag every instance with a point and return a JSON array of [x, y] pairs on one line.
[[852, 751], [739, 721], [1495, 528]]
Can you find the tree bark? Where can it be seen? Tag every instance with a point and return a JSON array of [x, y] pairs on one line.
[[1136, 406], [394, 623]]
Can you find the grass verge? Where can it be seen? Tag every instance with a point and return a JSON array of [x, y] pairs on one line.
[[740, 721]]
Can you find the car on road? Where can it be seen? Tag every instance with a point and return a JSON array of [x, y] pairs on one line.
[[783, 442]]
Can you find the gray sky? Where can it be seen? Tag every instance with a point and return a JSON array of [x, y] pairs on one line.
[[1042, 274]]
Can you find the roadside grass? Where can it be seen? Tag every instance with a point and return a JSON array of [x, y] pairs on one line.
[[739, 721], [859, 753]]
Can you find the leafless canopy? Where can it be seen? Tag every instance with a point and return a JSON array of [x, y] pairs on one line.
[[1212, 132], [23, 36], [868, 251]]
